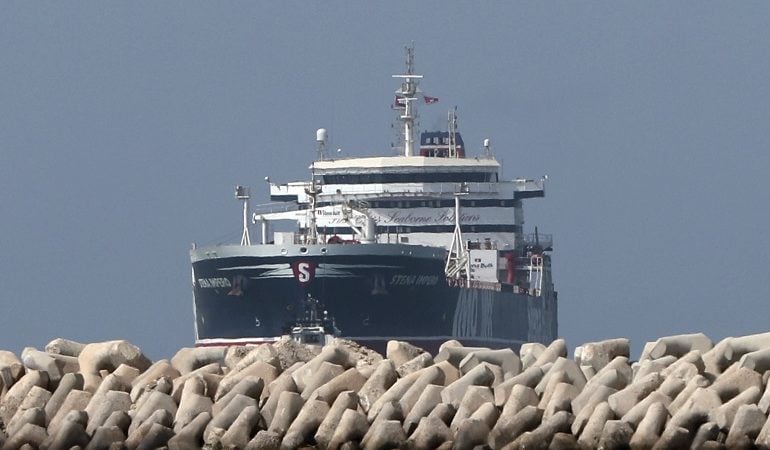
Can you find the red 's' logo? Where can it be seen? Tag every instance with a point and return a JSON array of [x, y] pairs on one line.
[[304, 272]]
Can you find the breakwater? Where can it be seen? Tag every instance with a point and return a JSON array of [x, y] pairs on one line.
[[682, 392]]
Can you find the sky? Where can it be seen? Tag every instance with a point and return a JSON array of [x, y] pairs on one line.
[[125, 125]]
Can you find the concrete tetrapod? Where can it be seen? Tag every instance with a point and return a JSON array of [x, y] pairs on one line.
[[306, 424], [240, 432], [352, 427], [345, 400], [385, 434], [650, 427], [399, 352], [108, 355]]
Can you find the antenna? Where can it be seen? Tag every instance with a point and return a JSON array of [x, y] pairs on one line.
[[452, 119], [405, 96], [242, 194]]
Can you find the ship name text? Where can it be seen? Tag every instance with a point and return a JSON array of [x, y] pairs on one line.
[[414, 280], [214, 283]]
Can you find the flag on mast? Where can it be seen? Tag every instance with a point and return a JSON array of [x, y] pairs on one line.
[[428, 99]]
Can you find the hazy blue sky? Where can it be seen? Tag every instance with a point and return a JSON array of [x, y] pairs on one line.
[[125, 125]]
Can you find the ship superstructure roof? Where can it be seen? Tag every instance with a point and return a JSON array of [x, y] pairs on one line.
[[405, 163]]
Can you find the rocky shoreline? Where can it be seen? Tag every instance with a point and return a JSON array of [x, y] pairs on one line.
[[682, 392]]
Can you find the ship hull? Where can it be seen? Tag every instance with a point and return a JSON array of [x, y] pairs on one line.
[[375, 293]]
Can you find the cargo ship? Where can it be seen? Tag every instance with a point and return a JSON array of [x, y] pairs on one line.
[[424, 246]]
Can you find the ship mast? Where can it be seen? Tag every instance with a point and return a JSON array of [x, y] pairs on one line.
[[406, 94], [242, 194]]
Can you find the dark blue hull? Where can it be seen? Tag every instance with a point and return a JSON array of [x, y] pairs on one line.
[[373, 297]]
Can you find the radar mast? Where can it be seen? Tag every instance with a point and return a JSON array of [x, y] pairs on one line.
[[405, 96]]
